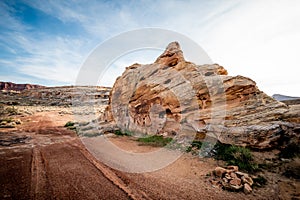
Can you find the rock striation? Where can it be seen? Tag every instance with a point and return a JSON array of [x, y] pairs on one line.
[[174, 96]]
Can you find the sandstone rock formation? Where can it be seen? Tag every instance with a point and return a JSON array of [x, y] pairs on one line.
[[173, 96], [9, 86]]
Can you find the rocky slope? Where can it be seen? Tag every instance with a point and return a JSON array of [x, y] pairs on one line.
[[173, 96], [58, 96], [9, 86]]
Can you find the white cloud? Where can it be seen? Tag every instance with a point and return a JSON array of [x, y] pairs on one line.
[[258, 39], [57, 59]]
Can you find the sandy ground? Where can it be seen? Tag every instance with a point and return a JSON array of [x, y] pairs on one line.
[[50, 162]]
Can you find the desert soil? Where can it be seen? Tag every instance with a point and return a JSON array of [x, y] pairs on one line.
[[41, 159]]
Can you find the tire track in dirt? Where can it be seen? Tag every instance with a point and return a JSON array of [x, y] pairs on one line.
[[40, 187], [112, 176], [40, 184]]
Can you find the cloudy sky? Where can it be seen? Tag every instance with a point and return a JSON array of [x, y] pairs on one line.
[[46, 42]]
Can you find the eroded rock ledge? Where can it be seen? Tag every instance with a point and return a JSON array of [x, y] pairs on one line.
[[174, 96]]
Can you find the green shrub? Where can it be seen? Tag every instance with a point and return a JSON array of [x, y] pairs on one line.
[[119, 132], [125, 133], [128, 133], [69, 123], [71, 126], [155, 140], [235, 155], [194, 145]]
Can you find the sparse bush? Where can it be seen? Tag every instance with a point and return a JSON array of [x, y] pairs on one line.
[[69, 123], [194, 145], [125, 133], [8, 110], [235, 155], [11, 111], [119, 132], [155, 140], [71, 126]]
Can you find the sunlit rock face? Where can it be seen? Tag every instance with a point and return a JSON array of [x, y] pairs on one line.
[[174, 96]]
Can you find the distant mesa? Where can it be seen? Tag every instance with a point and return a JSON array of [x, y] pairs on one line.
[[280, 97], [14, 94], [9, 86]]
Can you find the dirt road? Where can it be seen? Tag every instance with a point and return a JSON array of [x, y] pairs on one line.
[[50, 164]]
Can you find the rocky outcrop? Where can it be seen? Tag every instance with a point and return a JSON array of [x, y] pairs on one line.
[[173, 96], [9, 86]]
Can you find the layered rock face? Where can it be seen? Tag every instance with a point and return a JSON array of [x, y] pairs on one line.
[[59, 96], [8, 86], [174, 96]]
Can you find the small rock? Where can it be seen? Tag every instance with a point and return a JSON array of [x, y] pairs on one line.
[[219, 171], [240, 174], [214, 183], [253, 176], [12, 124], [233, 175], [247, 188], [233, 168], [236, 187], [228, 176], [247, 179], [228, 186], [235, 182]]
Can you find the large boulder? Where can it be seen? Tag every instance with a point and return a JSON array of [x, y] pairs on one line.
[[174, 96]]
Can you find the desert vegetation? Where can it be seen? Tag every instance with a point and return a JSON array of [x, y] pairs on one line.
[[155, 140]]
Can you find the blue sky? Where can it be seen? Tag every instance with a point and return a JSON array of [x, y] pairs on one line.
[[46, 42]]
